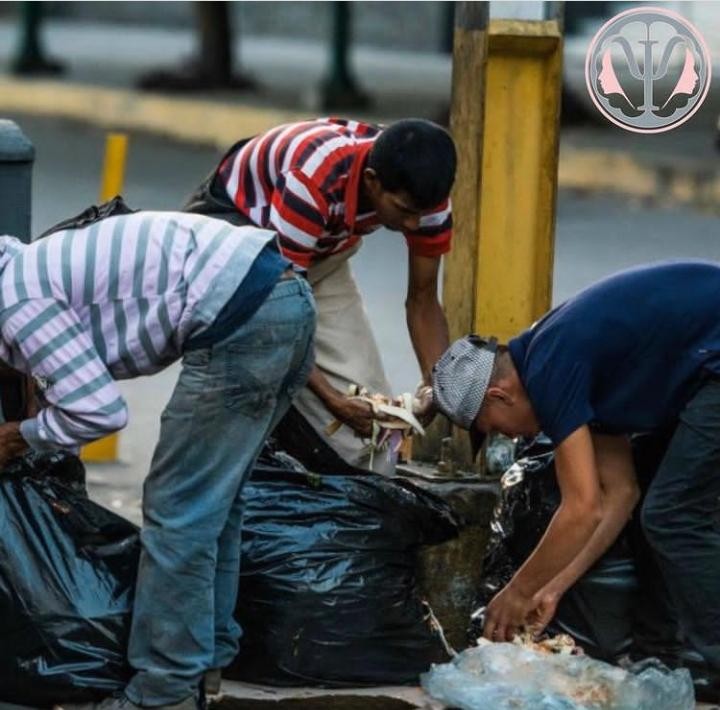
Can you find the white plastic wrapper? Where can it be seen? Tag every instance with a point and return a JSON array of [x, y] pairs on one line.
[[505, 676]]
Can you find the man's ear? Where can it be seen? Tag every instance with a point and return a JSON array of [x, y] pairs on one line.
[[499, 395], [370, 179]]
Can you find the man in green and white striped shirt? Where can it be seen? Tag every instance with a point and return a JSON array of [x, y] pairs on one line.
[[124, 297]]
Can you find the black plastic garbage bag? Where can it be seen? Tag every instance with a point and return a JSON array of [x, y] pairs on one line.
[[327, 586], [598, 610], [67, 577]]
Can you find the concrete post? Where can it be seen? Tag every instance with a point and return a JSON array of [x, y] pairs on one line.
[[16, 159]]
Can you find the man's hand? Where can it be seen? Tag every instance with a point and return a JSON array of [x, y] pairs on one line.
[[506, 614], [11, 442], [423, 406], [545, 602], [353, 413]]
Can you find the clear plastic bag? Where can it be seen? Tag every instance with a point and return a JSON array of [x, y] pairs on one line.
[[505, 676]]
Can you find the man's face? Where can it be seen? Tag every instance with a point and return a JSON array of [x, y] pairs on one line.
[[395, 210], [506, 412]]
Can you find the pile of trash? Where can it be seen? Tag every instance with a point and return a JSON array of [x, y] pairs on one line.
[[67, 578], [328, 588], [513, 676]]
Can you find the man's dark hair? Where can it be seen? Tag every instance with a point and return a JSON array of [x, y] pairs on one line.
[[503, 365], [416, 156]]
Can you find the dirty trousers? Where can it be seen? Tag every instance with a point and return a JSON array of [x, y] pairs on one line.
[[227, 398], [681, 521], [346, 353]]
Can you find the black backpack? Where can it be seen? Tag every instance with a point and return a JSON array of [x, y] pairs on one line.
[[92, 214]]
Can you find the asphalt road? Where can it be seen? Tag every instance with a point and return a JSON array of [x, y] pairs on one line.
[[595, 236]]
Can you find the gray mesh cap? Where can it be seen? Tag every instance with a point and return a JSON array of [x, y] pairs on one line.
[[461, 377]]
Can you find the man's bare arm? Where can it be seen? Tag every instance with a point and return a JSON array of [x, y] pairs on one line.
[[426, 320], [620, 493], [570, 529]]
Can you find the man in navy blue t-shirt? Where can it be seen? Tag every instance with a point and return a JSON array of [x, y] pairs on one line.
[[636, 352]]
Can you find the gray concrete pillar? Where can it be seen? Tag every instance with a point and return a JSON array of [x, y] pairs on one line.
[[16, 160]]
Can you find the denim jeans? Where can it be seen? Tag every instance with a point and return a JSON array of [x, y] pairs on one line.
[[681, 521], [227, 398]]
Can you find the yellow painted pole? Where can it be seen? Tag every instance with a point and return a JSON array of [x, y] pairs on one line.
[[113, 177], [516, 230], [505, 122]]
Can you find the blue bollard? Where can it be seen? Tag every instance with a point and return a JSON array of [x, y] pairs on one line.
[[16, 160]]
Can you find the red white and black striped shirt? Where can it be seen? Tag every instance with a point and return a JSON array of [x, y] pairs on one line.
[[302, 180]]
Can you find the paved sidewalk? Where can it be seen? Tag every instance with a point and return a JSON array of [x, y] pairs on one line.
[[288, 72]]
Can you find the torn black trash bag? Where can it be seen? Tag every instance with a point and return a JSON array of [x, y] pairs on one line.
[[598, 610], [327, 585], [67, 578]]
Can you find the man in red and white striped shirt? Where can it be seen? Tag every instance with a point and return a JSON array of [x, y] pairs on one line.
[[323, 185]]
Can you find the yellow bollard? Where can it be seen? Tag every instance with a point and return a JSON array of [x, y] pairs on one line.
[[113, 176], [505, 121], [516, 231]]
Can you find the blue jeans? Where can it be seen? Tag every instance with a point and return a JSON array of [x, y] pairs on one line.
[[227, 399]]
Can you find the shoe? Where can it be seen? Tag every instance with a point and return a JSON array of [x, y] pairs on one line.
[[212, 681]]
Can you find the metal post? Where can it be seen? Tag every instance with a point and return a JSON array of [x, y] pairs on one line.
[[447, 10], [339, 89], [30, 57], [16, 160]]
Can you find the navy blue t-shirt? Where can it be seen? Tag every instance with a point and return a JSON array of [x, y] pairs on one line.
[[625, 354]]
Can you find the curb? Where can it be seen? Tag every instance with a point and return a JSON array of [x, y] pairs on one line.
[[219, 123], [244, 696], [612, 172], [195, 120]]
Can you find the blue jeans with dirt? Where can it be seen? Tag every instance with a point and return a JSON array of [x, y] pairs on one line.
[[227, 399]]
